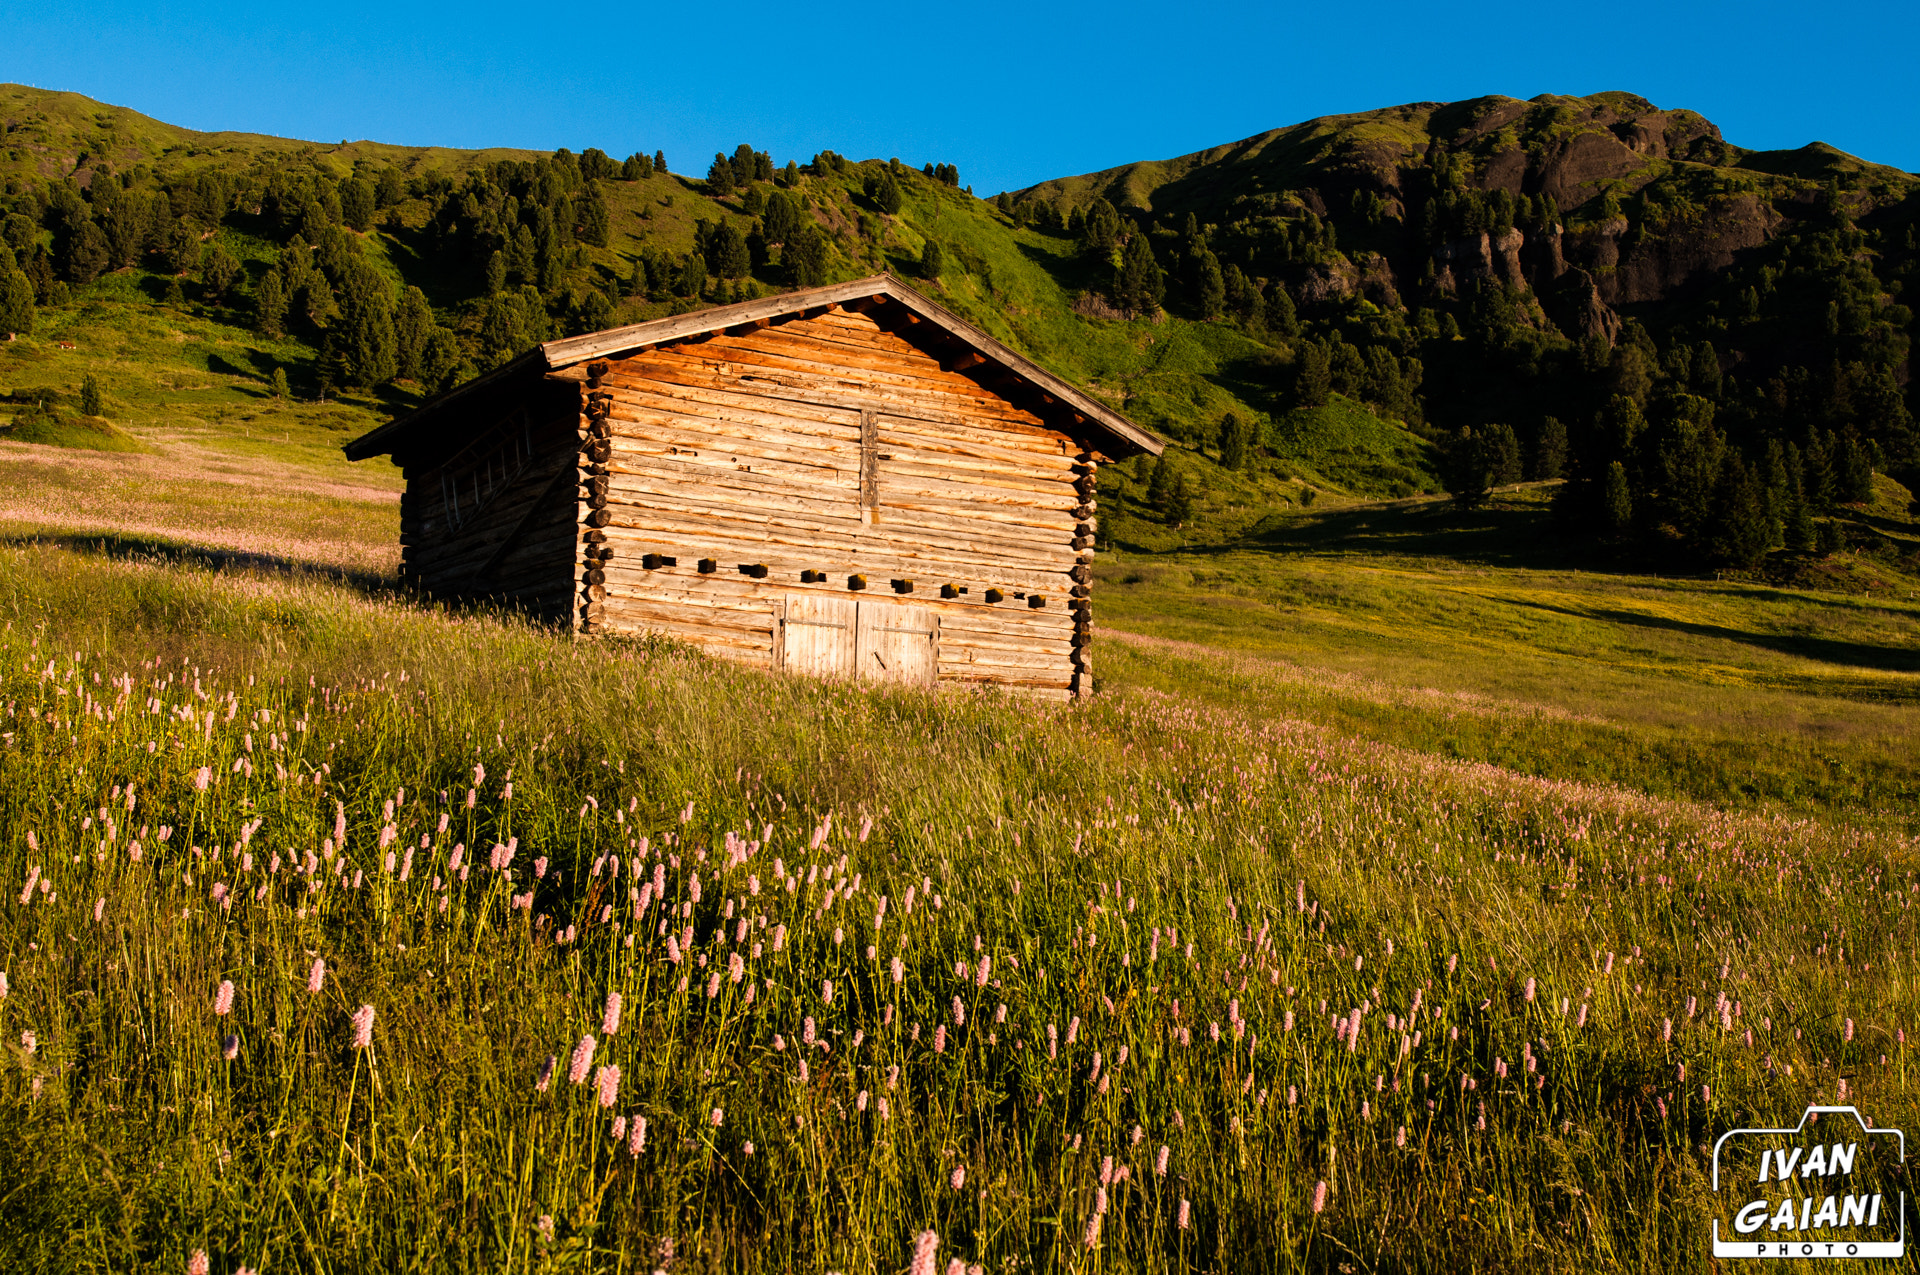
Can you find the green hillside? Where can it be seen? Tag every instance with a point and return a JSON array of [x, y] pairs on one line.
[[1709, 345]]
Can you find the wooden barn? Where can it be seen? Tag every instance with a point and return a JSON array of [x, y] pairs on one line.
[[847, 480]]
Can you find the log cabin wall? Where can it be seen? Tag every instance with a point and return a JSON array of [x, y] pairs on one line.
[[825, 494], [493, 513]]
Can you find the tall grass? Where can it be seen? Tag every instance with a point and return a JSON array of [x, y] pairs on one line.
[[888, 963]]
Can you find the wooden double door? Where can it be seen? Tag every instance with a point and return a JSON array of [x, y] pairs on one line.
[[873, 639]]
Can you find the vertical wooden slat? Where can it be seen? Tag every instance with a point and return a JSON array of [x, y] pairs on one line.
[[819, 635], [897, 643]]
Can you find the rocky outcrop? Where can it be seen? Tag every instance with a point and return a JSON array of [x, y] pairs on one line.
[[1649, 262]]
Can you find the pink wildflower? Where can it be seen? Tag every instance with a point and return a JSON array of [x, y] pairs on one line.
[[363, 1027], [223, 999], [610, 1021], [582, 1060], [317, 975]]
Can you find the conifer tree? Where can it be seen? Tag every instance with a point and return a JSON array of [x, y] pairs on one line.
[[278, 384], [728, 250], [660, 163], [781, 219], [1099, 229], [1312, 379], [1739, 532], [218, 271], [720, 177], [1233, 442], [92, 402], [1281, 316], [16, 301], [367, 344], [1138, 284], [496, 274], [1616, 500], [1210, 286], [412, 327], [693, 276], [931, 261], [805, 257], [1160, 485], [1856, 471], [88, 254], [1180, 502], [1550, 449], [357, 201], [1799, 530], [270, 306]]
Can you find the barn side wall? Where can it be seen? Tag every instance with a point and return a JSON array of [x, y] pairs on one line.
[[492, 512], [829, 445]]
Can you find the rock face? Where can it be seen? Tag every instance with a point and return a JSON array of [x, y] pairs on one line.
[[1640, 203]]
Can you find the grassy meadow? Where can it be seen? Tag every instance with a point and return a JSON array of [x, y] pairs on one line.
[[1116, 986], [1416, 893]]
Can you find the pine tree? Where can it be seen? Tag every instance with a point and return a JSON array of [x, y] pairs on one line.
[[357, 202], [92, 401], [1800, 533], [1281, 316], [412, 327], [1831, 538], [1160, 485], [88, 254], [270, 306], [1210, 290], [729, 252], [16, 302], [693, 276], [1616, 500], [1856, 471], [596, 223], [931, 260], [1312, 380], [1550, 449], [496, 274], [1099, 228], [1738, 530], [720, 177], [885, 193], [781, 218], [1233, 442], [1180, 502], [218, 271], [805, 257], [660, 163], [1139, 283], [278, 384], [367, 344]]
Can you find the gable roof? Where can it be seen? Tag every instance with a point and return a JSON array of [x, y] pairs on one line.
[[1083, 414]]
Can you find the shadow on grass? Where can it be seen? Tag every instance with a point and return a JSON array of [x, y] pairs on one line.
[[123, 547], [1888, 659], [1495, 535]]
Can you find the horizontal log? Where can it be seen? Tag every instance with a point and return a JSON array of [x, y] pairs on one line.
[[690, 537], [984, 543], [840, 393]]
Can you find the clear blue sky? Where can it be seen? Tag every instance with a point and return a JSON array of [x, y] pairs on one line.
[[1011, 92]]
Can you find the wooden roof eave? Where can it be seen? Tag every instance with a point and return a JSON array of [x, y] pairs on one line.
[[388, 437], [558, 356]]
